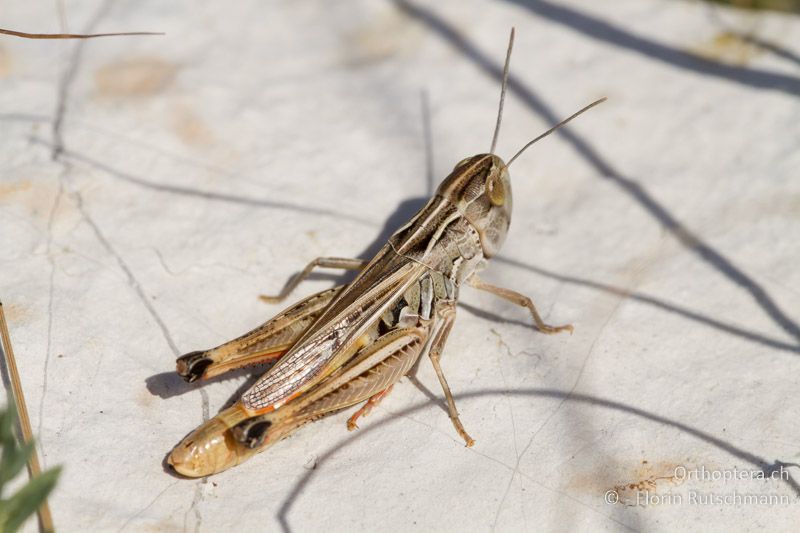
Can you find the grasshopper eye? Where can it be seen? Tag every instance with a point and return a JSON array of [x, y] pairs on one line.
[[496, 190]]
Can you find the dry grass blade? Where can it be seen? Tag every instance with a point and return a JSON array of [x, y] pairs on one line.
[[34, 470], [25, 35]]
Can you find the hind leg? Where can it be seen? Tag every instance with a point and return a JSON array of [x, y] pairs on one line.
[[268, 342]]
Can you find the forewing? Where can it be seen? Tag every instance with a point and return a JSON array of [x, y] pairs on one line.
[[334, 337]]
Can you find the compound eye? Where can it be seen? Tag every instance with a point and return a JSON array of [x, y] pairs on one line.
[[496, 190]]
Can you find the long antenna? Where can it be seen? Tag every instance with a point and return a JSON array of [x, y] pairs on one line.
[[554, 128], [503, 92]]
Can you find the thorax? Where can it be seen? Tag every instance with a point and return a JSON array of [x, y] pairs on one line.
[[442, 239]]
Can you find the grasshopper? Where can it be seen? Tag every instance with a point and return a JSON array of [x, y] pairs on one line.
[[352, 343]]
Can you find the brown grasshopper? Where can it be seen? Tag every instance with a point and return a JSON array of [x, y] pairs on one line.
[[352, 343]]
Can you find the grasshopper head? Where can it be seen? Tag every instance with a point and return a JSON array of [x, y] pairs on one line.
[[480, 188]]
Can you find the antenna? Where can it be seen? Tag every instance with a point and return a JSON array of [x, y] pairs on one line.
[[503, 91], [554, 128]]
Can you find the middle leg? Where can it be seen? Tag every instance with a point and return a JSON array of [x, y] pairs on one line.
[[447, 317], [519, 299]]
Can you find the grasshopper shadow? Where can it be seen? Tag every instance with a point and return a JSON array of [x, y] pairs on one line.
[[167, 385], [402, 214]]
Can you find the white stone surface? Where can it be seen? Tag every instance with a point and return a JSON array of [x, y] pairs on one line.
[[151, 187]]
